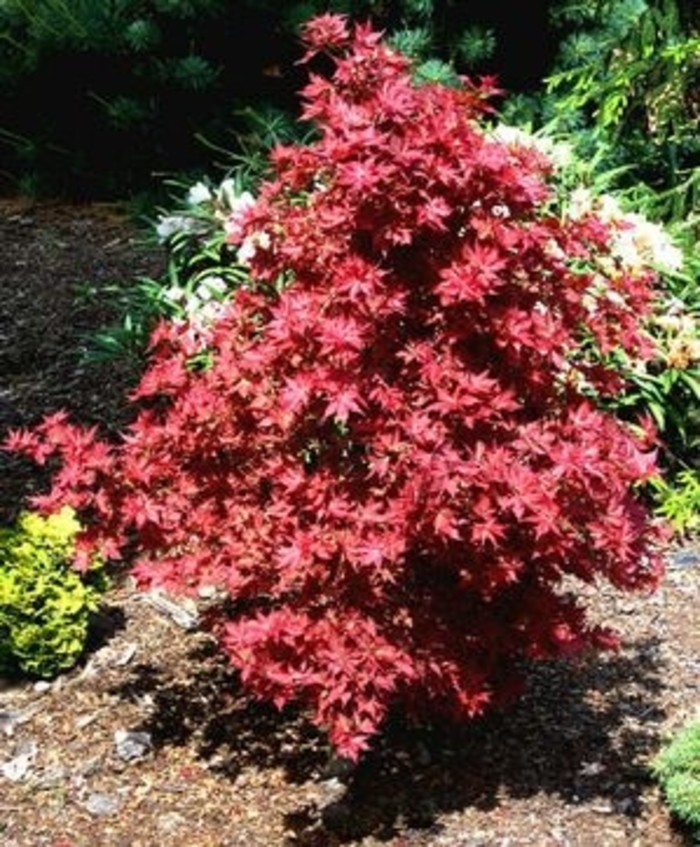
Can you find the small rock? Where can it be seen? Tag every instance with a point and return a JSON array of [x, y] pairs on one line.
[[339, 767], [592, 768], [125, 655], [185, 618], [42, 686], [334, 785], [602, 809], [627, 806], [110, 657], [685, 559], [9, 720], [18, 767], [83, 721], [102, 804], [132, 745], [88, 769], [332, 791], [210, 592], [170, 822], [52, 777]]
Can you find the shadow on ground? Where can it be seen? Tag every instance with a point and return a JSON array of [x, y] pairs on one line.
[[581, 731]]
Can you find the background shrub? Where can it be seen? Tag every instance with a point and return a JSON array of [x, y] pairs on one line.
[[83, 81], [151, 80]]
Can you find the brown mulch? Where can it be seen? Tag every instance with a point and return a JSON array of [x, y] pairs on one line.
[[568, 765]]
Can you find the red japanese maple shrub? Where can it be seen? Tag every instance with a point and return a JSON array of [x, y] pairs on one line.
[[396, 449]]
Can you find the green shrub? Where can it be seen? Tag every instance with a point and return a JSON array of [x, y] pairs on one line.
[[45, 604], [677, 769], [679, 501]]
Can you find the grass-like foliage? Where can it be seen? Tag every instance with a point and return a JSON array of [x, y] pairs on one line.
[[45, 605], [391, 443]]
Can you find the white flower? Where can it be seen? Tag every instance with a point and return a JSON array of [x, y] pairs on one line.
[[199, 193], [228, 197], [559, 153], [624, 248], [608, 208], [208, 313], [211, 288], [554, 250], [654, 244], [169, 225], [641, 243], [513, 135], [638, 243], [175, 294], [192, 305], [226, 193], [580, 203], [246, 251], [234, 223], [250, 246], [242, 201], [669, 323]]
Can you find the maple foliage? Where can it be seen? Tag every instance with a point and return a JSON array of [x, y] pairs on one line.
[[394, 452]]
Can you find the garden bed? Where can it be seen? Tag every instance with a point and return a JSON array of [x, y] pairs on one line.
[[151, 739]]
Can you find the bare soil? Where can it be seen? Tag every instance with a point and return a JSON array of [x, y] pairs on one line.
[[567, 765]]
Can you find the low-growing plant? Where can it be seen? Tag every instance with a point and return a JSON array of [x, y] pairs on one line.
[[677, 769], [679, 500], [202, 270], [396, 443], [45, 604], [137, 305]]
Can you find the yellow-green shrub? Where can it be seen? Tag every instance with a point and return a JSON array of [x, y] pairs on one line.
[[45, 605]]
